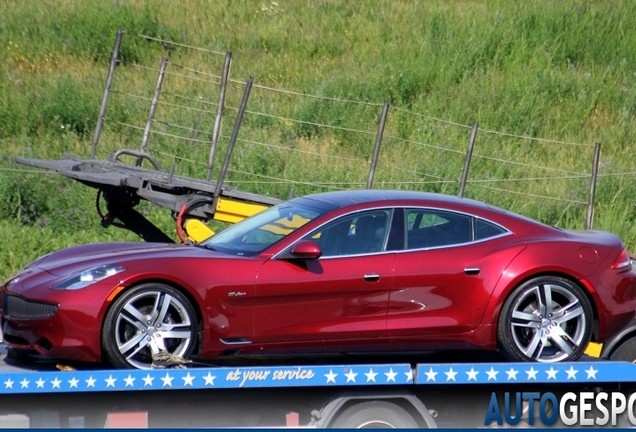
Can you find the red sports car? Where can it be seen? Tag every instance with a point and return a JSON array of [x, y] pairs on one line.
[[334, 272]]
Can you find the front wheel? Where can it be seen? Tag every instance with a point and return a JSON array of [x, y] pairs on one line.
[[547, 319], [148, 320]]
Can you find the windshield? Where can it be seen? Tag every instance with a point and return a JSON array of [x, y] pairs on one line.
[[257, 233]]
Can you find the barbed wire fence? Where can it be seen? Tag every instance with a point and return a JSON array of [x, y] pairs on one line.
[[182, 108]]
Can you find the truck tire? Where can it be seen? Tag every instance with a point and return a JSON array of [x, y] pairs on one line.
[[375, 414], [625, 351]]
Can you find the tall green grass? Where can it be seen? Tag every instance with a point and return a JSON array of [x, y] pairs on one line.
[[560, 71]]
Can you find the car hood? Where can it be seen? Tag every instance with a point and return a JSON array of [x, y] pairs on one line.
[[68, 261]]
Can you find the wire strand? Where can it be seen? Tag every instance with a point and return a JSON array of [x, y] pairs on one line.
[[165, 42]]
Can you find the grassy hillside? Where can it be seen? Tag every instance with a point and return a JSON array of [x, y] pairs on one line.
[[544, 79]]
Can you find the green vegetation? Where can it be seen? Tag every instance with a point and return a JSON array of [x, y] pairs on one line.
[[544, 79]]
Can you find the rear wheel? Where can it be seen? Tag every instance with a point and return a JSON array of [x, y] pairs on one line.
[[148, 321], [375, 415], [546, 319]]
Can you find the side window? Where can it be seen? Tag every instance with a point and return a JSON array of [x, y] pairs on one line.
[[360, 233], [484, 229], [430, 228]]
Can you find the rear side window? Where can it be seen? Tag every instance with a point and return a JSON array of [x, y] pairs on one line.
[[432, 228], [427, 228], [484, 229]]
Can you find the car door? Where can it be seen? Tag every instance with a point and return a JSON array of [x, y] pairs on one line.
[[444, 278], [342, 295]]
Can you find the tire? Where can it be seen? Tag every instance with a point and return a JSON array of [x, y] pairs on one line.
[[136, 325], [546, 319], [625, 351], [376, 415]]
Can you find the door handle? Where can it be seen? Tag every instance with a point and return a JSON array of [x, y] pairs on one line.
[[470, 271], [371, 277]]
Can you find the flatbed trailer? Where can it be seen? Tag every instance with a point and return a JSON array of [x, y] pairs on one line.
[[375, 390], [350, 391]]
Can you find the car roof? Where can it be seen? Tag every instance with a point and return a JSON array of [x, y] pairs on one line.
[[330, 201], [339, 199]]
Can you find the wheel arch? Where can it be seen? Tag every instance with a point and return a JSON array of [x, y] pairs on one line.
[[406, 400], [616, 341]]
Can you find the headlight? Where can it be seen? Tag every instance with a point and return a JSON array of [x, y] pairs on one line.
[[89, 276]]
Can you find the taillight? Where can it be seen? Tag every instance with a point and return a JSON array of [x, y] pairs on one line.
[[623, 261]]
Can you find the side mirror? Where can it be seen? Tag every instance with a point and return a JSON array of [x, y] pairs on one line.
[[306, 249]]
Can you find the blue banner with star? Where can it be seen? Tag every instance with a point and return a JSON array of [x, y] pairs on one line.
[[514, 373], [315, 376], [200, 378]]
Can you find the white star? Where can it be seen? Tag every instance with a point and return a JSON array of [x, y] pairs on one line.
[[110, 381], [591, 372], [552, 372], [371, 375], [167, 380], [148, 380], [129, 380], [390, 375], [532, 373], [56, 382], [187, 380], [450, 375], [571, 372], [209, 379], [73, 382], [90, 382], [472, 374], [430, 375], [492, 374], [25, 383], [512, 374], [40, 383], [351, 376], [331, 377], [409, 375], [8, 383]]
